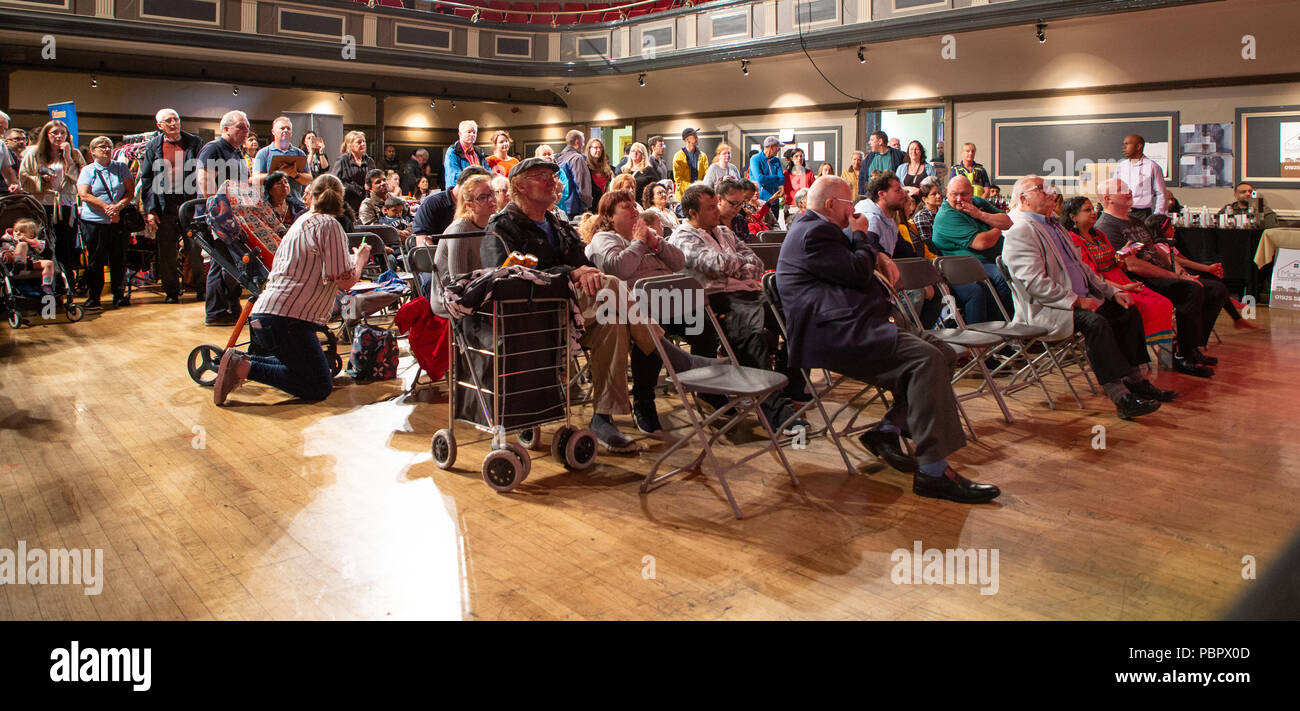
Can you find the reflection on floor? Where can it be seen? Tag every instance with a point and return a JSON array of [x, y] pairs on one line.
[[275, 509]]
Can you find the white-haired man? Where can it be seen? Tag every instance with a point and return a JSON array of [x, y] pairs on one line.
[[8, 169], [461, 154], [1067, 296], [282, 145], [220, 160], [168, 179]]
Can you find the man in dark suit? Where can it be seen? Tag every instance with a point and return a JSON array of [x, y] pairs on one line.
[[839, 317]]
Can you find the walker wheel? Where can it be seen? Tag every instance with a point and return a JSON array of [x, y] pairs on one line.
[[524, 458], [336, 364], [15, 319], [561, 440], [203, 363], [502, 470], [580, 450], [532, 438], [75, 313], [444, 449]]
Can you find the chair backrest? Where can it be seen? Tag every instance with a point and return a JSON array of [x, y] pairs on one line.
[[915, 273], [355, 239], [771, 236], [769, 253], [680, 295], [387, 233], [420, 260], [962, 269]]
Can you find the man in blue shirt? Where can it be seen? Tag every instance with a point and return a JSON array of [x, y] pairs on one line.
[[282, 145], [765, 169], [220, 160]]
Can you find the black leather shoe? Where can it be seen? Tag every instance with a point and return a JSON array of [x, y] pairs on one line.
[[954, 487], [1186, 366], [1131, 406], [1146, 390], [647, 419], [1203, 359], [888, 447], [172, 300]]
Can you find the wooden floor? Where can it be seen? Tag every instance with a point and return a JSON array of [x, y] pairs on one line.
[[336, 511]]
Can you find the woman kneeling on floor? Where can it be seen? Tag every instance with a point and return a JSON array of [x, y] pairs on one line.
[[311, 267]]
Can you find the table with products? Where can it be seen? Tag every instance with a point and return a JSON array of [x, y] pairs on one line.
[[1234, 248]]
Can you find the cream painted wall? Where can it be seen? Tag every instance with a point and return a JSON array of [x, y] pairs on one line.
[[735, 125], [1218, 105]]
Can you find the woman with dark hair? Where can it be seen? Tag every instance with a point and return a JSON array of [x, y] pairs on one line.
[[311, 267], [48, 170], [797, 177], [930, 198], [314, 146], [1078, 216], [1162, 227], [655, 197], [422, 189], [276, 190], [916, 169], [598, 164]]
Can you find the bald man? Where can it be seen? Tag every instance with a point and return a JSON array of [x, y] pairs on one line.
[[1144, 178], [972, 226], [839, 317]]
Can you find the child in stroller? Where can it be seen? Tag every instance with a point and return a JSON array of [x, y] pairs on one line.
[[17, 247]]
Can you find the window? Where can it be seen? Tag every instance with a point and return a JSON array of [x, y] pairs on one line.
[[315, 24], [811, 12], [593, 46], [733, 25]]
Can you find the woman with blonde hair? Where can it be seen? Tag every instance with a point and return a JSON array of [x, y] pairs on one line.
[[49, 170], [640, 167], [351, 168], [311, 267], [722, 166], [622, 181], [475, 205]]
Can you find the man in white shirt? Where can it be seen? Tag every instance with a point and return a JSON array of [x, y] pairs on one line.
[[1144, 178]]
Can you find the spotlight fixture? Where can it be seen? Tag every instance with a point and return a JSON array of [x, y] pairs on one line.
[[1040, 31], [475, 16], [340, 97], [744, 67], [453, 103], [862, 55], [640, 79], [568, 88], [234, 91], [94, 83], [433, 103]]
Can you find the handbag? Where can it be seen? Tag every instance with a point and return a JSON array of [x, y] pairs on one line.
[[129, 216]]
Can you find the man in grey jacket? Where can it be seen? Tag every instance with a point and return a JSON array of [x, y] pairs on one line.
[[1057, 291], [572, 156]]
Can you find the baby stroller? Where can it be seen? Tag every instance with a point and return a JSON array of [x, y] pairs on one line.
[[509, 375], [240, 234], [22, 289]]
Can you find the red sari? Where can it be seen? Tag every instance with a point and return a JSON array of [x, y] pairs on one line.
[[1157, 311]]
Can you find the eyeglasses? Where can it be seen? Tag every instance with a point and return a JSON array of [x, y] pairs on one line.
[[483, 198], [843, 200], [1044, 187], [733, 203], [547, 177]]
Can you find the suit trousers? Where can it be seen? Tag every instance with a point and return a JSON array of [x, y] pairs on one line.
[[223, 290], [919, 375], [169, 274], [1115, 339], [1196, 306]]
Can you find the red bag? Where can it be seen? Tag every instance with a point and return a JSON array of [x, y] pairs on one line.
[[429, 339]]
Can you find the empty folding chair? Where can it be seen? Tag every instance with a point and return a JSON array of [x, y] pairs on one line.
[[771, 236], [744, 389], [769, 253], [918, 273]]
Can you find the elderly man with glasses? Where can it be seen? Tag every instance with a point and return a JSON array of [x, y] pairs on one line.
[[1066, 296]]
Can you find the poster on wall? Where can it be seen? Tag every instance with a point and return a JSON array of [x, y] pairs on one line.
[[1286, 280], [66, 111], [1289, 149], [1206, 155]]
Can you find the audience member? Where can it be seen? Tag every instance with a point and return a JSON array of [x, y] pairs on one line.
[[318, 163], [973, 172], [690, 163], [422, 189], [372, 208], [390, 161], [1162, 227], [641, 168], [394, 182], [969, 225], [461, 154], [221, 160], [19, 243], [578, 197], [48, 171], [598, 165], [251, 147], [825, 169], [277, 193], [851, 173], [9, 157], [1065, 296], [457, 257], [931, 197], [916, 169], [883, 196], [656, 157], [722, 166], [413, 171], [351, 168], [1242, 206], [281, 145], [880, 156], [765, 169], [501, 191], [797, 177], [167, 181], [439, 209], [105, 186], [655, 198], [1143, 176], [839, 317], [731, 197]]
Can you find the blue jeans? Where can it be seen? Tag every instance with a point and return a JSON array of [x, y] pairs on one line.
[[976, 304], [297, 364]]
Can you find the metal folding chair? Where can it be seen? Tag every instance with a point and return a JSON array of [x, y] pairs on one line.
[[744, 388], [769, 252], [918, 273], [771, 236], [1061, 353]]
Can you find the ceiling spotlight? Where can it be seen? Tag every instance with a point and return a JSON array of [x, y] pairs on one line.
[[94, 83], [1040, 32], [862, 55], [453, 103], [340, 97], [640, 79], [475, 16], [744, 67], [433, 103], [553, 22], [234, 91], [568, 88]]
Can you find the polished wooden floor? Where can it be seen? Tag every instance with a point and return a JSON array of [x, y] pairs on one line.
[[336, 511]]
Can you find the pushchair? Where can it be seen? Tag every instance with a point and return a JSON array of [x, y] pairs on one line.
[[240, 234], [18, 292], [508, 374]]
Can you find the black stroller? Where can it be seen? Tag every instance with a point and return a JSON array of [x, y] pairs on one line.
[[17, 292], [249, 268]]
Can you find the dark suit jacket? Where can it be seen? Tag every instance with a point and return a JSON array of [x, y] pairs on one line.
[[154, 170], [837, 312]]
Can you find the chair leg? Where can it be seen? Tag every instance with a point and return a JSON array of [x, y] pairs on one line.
[[993, 388], [1064, 375], [776, 444], [962, 411]]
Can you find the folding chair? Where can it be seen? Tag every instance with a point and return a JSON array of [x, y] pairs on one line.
[[833, 381], [768, 252], [918, 273], [1062, 352], [771, 236], [744, 388], [420, 261], [373, 269], [961, 270]]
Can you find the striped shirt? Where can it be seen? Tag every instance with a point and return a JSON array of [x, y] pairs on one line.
[[310, 258]]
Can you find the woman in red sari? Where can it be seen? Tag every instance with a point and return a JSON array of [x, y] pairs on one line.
[[1157, 312]]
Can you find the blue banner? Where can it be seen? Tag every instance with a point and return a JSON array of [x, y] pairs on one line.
[[67, 113]]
